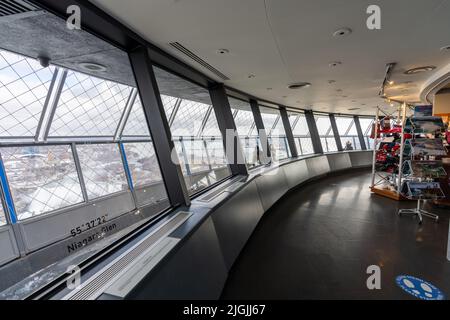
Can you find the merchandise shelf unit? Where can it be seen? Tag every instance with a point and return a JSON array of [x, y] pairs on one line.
[[389, 145], [423, 165]]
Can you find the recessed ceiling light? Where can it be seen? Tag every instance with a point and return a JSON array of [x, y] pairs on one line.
[[335, 64], [420, 69], [299, 85], [223, 51], [92, 67], [391, 82], [342, 32]]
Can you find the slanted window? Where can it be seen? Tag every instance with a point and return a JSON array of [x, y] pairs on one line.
[[366, 127], [300, 131], [89, 107], [195, 131], [327, 139], [246, 129], [276, 134], [24, 85], [348, 133]]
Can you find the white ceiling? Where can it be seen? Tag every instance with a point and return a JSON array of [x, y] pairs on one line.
[[285, 41]]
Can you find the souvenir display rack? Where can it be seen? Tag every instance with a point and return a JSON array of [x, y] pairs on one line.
[[422, 166], [389, 141]]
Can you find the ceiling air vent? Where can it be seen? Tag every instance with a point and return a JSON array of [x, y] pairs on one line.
[[197, 59], [10, 7]]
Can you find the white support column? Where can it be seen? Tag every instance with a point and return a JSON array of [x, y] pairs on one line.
[[375, 143], [402, 148]]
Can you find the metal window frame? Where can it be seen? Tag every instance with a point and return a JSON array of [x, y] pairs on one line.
[[263, 138], [360, 133], [313, 131], [176, 107], [294, 124], [158, 125], [336, 132], [46, 103], [204, 121], [9, 206], [52, 101], [290, 142], [225, 120], [79, 171], [125, 114]]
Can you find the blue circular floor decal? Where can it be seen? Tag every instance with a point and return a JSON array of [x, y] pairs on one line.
[[419, 288]]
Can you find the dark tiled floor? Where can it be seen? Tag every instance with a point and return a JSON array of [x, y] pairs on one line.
[[318, 241]]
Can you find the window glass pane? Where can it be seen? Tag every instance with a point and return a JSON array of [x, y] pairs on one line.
[[102, 169], [300, 130], [348, 133], [193, 156], [216, 153], [194, 130], [143, 163], [144, 170], [323, 125], [169, 104], [188, 120], [276, 134], [343, 125], [89, 106], [245, 127], [328, 144], [211, 129], [24, 86], [41, 178], [353, 131], [306, 145], [366, 127], [137, 123], [326, 133]]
